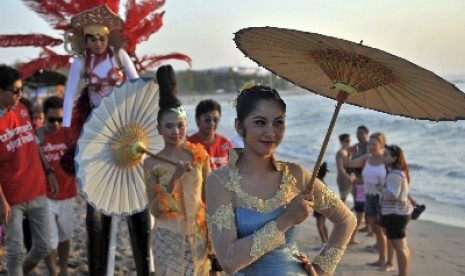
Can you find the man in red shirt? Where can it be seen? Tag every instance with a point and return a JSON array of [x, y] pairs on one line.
[[52, 139], [22, 178], [207, 117]]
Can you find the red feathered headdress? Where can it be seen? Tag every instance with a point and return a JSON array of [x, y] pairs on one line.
[[142, 20]]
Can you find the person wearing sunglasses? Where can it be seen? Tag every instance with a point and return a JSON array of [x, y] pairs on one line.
[[52, 137], [207, 117], [11, 96], [24, 175]]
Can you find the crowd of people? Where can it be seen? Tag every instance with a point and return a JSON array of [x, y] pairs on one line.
[[374, 173], [218, 205], [176, 194], [377, 176]]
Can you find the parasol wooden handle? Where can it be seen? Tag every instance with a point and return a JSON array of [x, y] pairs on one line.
[[158, 157], [342, 96]]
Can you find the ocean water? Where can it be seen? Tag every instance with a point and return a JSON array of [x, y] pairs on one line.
[[435, 151]]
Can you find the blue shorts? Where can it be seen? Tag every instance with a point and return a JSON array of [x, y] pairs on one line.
[[371, 204]]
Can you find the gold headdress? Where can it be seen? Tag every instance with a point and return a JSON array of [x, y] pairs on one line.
[[97, 21]]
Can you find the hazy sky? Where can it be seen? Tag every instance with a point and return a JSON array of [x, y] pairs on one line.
[[429, 33]]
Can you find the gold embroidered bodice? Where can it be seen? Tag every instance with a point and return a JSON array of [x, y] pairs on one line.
[[225, 196], [182, 220]]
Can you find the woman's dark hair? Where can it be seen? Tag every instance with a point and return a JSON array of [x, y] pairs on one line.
[[52, 102], [400, 162], [205, 106], [248, 99], [166, 79]]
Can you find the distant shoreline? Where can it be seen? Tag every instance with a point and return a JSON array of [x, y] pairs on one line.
[[225, 98]]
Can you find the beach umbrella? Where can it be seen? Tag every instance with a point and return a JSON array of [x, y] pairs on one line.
[[43, 78], [352, 73], [112, 144]]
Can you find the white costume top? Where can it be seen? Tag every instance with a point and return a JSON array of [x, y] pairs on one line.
[[101, 71]]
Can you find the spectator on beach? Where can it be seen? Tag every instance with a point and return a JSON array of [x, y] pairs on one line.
[[256, 201], [357, 150], [344, 179], [38, 117], [359, 208], [24, 174], [35, 112], [29, 105], [373, 173], [176, 192], [52, 139], [396, 207], [207, 117]]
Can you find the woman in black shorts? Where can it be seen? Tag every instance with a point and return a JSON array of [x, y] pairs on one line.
[[396, 207]]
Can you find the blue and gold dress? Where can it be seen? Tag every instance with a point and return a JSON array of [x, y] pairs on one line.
[[244, 231]]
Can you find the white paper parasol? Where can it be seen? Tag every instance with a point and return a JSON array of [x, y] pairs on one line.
[[110, 148]]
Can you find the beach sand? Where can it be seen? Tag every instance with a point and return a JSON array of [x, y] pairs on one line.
[[436, 249]]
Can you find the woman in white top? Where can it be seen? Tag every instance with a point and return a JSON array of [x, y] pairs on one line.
[[396, 206], [374, 174], [100, 63]]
